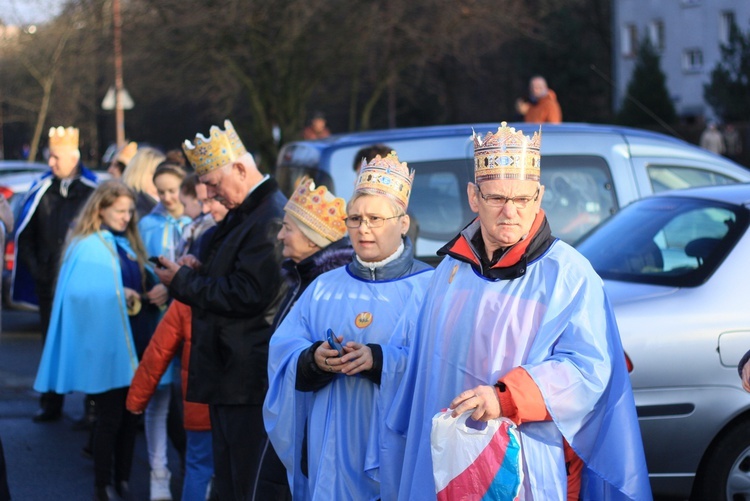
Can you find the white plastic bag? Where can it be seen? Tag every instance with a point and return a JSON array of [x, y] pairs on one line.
[[474, 460]]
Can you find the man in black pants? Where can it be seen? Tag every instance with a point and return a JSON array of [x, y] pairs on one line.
[[234, 292], [50, 208]]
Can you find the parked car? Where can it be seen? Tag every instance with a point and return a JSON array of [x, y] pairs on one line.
[[589, 171], [676, 269]]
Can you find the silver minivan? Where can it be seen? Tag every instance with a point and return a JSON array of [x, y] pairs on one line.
[[589, 172]]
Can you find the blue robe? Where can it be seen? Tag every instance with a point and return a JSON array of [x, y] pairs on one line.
[[89, 346], [554, 321], [348, 456]]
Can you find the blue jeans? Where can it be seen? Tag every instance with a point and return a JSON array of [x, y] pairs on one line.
[[199, 465]]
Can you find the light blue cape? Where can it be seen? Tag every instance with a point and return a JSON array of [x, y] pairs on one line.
[[348, 455], [89, 346], [555, 322]]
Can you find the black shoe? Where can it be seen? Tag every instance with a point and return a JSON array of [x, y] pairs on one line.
[[46, 415], [106, 493], [123, 489]]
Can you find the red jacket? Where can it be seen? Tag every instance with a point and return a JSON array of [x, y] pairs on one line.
[[173, 330]]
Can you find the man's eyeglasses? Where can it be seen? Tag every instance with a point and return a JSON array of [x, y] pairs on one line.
[[500, 201], [372, 221]]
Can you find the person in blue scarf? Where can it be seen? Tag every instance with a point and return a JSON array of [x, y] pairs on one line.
[[90, 346], [516, 324], [325, 409], [161, 231]]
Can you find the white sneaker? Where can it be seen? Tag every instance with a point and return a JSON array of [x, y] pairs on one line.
[[160, 485]]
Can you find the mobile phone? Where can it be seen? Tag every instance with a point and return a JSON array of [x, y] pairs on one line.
[[331, 338], [155, 260]]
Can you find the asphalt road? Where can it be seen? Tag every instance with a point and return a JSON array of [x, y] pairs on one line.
[[44, 460]]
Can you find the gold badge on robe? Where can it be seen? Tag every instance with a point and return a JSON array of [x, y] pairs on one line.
[[363, 319]]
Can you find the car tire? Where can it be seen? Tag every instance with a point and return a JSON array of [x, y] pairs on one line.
[[726, 467]]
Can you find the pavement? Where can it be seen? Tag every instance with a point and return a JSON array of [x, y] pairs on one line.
[[44, 460]]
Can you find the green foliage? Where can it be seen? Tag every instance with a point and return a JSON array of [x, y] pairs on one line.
[[730, 80], [647, 101]]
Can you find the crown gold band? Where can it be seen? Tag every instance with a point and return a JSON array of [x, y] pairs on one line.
[[507, 154]]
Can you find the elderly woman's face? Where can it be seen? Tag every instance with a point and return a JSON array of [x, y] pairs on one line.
[[296, 245], [376, 244]]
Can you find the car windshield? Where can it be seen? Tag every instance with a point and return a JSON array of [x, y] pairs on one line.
[[674, 241]]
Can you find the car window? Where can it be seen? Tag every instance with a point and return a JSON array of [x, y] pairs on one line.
[[438, 199], [666, 241], [578, 194], [672, 177]]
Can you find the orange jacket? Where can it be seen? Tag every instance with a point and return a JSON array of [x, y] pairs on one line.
[[547, 109], [173, 330], [522, 402]]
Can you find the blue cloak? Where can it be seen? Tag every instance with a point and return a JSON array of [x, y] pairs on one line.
[[89, 346], [348, 455], [554, 321], [22, 288], [161, 233]]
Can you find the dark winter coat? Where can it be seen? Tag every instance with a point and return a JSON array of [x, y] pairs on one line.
[[234, 296], [299, 275]]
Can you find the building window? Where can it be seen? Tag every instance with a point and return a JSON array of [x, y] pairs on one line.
[[629, 40], [656, 34], [726, 21], [692, 60]]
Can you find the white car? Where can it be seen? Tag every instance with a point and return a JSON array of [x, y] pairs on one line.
[[589, 171], [676, 270]]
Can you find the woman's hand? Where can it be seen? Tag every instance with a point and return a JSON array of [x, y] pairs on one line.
[[158, 295], [131, 296], [482, 399], [327, 358], [357, 358]]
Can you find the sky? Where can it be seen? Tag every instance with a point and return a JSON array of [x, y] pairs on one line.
[[15, 12]]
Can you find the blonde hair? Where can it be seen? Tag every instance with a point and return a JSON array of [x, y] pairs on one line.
[[397, 210], [139, 172], [90, 221]]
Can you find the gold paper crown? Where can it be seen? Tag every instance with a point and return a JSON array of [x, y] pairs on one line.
[[386, 176], [507, 154], [219, 149], [319, 209], [60, 137], [127, 152]]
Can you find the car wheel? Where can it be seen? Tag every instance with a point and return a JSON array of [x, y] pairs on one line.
[[726, 468]]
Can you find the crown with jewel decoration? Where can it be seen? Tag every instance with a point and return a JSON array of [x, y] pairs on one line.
[[318, 210], [386, 176], [507, 154], [220, 148], [127, 152], [62, 137]]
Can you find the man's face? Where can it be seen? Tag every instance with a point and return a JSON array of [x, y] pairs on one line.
[[538, 87], [506, 225], [224, 185], [62, 161]]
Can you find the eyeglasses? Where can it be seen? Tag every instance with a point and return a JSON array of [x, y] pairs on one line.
[[500, 201], [372, 221]]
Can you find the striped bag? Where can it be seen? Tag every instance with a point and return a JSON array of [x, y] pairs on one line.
[[473, 460]]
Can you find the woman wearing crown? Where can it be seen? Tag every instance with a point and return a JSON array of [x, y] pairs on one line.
[[325, 409]]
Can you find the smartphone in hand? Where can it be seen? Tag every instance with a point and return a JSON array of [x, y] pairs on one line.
[[155, 260], [331, 338]]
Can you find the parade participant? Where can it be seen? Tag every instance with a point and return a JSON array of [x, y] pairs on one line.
[[139, 175], [516, 324], [542, 105], [313, 237], [325, 407], [90, 344], [49, 209], [208, 213], [121, 159], [161, 232], [233, 291]]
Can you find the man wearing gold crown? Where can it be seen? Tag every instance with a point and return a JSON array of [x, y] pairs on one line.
[[232, 289], [325, 407], [516, 324], [50, 207]]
